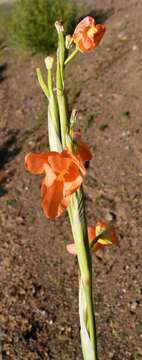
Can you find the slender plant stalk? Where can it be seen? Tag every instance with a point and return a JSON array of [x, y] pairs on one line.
[[71, 56], [60, 130], [76, 211]]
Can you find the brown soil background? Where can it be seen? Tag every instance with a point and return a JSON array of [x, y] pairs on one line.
[[38, 278]]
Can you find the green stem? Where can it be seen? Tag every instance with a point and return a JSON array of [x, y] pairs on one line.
[[53, 117], [61, 104], [79, 230], [50, 82], [61, 44], [71, 56]]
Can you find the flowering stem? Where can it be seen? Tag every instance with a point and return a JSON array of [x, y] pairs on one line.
[[71, 56], [76, 211], [64, 172]]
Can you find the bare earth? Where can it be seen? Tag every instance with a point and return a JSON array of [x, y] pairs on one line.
[[6, 1], [38, 279]]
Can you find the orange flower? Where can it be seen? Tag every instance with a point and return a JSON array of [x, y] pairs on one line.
[[87, 34], [104, 235], [63, 175], [99, 236]]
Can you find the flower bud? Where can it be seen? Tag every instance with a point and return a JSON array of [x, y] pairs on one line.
[[49, 60], [59, 27], [68, 41], [73, 117]]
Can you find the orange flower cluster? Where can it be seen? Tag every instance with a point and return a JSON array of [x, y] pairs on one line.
[[100, 235], [88, 34], [63, 176]]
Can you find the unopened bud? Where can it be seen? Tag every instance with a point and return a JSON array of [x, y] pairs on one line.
[[73, 116], [68, 41], [59, 27], [49, 60]]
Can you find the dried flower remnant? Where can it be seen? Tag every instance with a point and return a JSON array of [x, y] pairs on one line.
[[88, 34], [68, 41]]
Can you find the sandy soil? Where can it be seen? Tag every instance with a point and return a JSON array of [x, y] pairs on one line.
[[6, 1], [38, 279]]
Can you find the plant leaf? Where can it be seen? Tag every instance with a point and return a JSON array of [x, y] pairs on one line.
[[87, 348], [42, 83]]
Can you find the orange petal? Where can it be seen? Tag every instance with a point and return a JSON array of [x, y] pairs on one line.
[[35, 162], [92, 235], [50, 176], [72, 186], [62, 207], [66, 160], [112, 235], [59, 161], [82, 148], [85, 44], [51, 198], [75, 160], [72, 172], [96, 246], [83, 151], [87, 22], [110, 231], [100, 227], [71, 249], [99, 34], [79, 163], [91, 232]]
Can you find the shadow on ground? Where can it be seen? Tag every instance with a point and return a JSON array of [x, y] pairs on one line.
[[8, 151], [100, 15], [3, 68]]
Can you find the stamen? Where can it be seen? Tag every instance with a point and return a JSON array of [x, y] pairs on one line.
[[92, 31]]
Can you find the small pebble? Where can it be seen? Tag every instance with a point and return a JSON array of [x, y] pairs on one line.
[[133, 305], [134, 47]]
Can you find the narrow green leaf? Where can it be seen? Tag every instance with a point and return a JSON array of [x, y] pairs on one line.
[[42, 83], [88, 351]]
